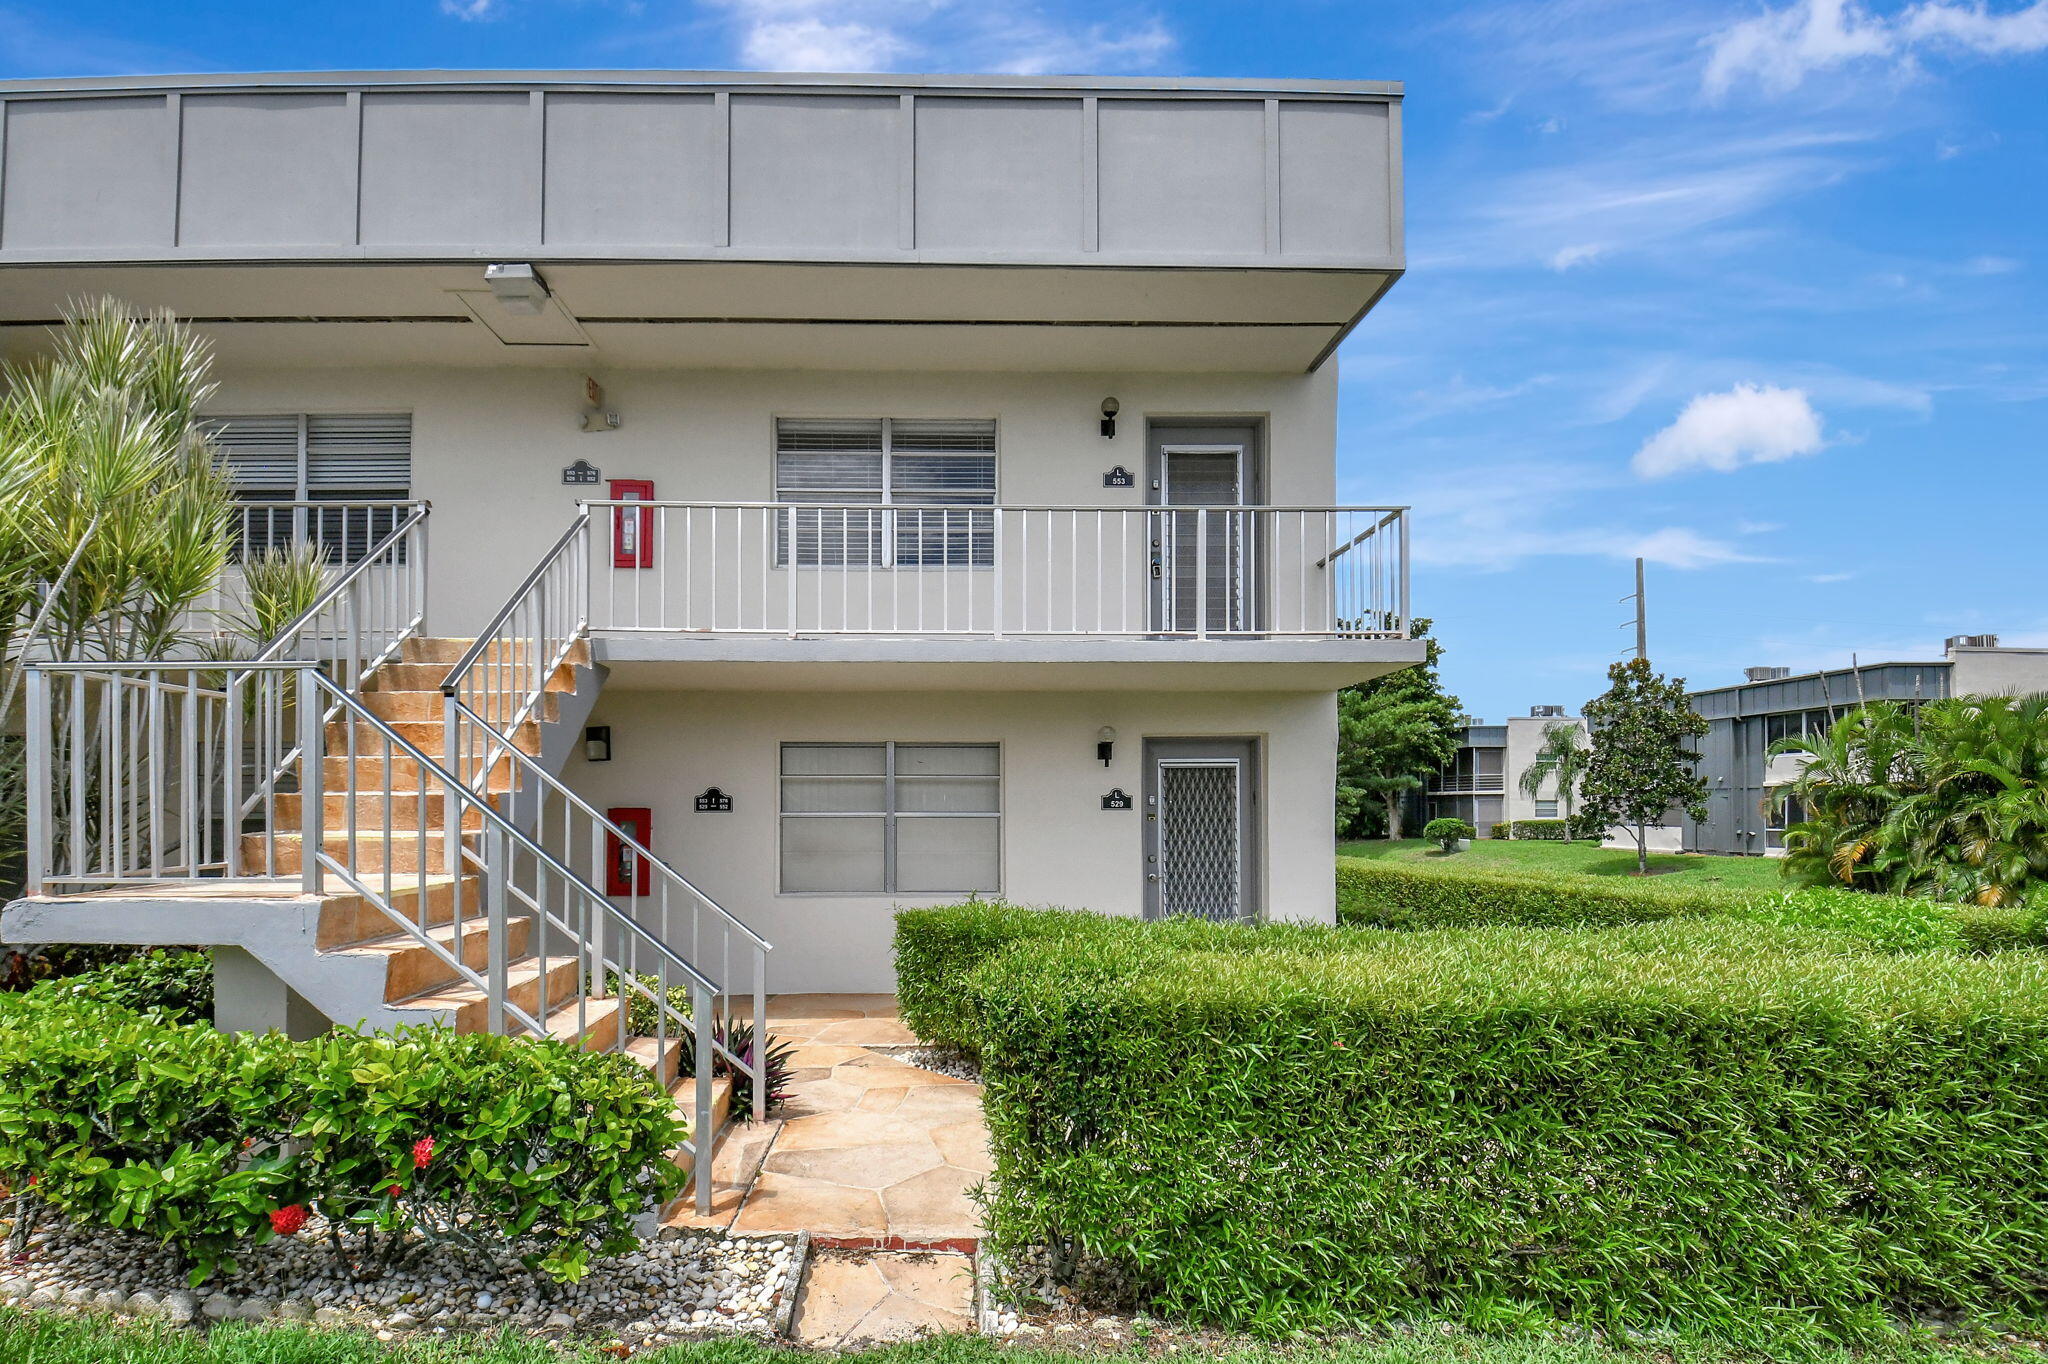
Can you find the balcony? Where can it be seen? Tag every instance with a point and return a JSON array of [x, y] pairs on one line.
[[720, 593]]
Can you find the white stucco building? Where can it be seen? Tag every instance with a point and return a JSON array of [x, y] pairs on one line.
[[985, 428]]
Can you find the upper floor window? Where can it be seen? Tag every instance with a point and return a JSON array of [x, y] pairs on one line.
[[924, 476], [349, 462]]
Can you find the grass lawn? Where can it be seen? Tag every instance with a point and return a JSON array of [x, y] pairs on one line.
[[1584, 859], [42, 1338]]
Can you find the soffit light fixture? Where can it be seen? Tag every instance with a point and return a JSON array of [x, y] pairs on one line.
[[518, 288]]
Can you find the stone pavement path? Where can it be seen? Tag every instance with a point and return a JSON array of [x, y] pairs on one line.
[[854, 1298], [869, 1152]]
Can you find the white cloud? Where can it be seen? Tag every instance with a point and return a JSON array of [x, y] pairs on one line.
[[1990, 265], [471, 9], [1780, 48], [1829, 577], [883, 35], [1677, 547], [1749, 424]]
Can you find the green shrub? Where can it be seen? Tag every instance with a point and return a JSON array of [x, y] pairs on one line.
[[1551, 830], [1393, 895], [1446, 833], [194, 1137], [1722, 1126], [172, 984], [1376, 894]]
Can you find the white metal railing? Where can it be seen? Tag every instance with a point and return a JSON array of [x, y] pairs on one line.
[[346, 533], [359, 622], [130, 779], [494, 698], [1196, 572]]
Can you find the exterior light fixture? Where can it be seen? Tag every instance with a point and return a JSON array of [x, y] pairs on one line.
[[597, 744], [518, 288], [1110, 407], [1105, 743]]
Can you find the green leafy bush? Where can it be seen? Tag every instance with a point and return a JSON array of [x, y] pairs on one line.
[[1390, 895], [172, 984], [1446, 833], [1725, 1126], [195, 1137], [1553, 830]]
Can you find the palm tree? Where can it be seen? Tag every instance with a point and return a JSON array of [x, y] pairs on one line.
[[1948, 799], [1563, 756]]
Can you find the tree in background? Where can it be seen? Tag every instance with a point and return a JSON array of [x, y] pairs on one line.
[[1564, 755], [1947, 800], [1392, 734], [1641, 764]]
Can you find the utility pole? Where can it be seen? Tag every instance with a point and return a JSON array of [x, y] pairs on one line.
[[1642, 615]]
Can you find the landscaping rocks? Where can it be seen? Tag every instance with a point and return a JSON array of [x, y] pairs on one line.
[[695, 1284], [941, 1060]]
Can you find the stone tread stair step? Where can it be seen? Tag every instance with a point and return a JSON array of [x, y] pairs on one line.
[[347, 918], [412, 968]]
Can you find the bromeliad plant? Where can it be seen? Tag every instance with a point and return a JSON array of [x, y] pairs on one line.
[[643, 1019]]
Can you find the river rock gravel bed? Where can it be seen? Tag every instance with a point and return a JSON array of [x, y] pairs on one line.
[[942, 1060], [683, 1285]]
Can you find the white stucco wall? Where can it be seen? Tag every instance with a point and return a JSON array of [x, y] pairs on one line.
[[1525, 737], [489, 445], [1059, 847], [1998, 672]]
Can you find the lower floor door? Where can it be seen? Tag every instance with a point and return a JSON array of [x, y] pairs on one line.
[[1201, 828]]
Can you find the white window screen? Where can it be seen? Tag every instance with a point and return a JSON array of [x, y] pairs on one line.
[[882, 818], [344, 460], [923, 476]]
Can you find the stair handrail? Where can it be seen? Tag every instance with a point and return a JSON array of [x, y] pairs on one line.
[[599, 971], [604, 832], [547, 611], [396, 613]]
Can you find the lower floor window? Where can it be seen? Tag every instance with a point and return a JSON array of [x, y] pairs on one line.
[[1546, 809], [891, 818]]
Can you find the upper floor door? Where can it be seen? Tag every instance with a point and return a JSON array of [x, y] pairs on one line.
[[1203, 561]]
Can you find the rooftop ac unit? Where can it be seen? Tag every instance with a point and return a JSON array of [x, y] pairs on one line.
[[1955, 642], [1546, 712], [1766, 674]]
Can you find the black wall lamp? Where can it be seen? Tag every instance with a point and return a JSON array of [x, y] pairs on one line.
[[1110, 407], [597, 744], [1105, 743]]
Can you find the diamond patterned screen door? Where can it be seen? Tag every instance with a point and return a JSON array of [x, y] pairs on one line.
[[1200, 860]]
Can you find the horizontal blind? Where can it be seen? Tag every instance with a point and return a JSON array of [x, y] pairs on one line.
[[259, 453], [359, 455]]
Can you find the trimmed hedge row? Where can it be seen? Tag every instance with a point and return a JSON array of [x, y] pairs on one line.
[[195, 1137], [1704, 1125], [1388, 895]]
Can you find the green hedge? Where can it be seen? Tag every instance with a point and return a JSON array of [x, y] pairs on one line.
[[194, 1137], [1706, 1125], [1390, 895]]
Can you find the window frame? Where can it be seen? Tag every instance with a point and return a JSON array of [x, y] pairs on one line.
[[312, 522], [1540, 801], [889, 816], [888, 532]]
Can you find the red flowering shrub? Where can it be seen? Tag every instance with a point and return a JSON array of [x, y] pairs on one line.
[[422, 1152], [287, 1220]]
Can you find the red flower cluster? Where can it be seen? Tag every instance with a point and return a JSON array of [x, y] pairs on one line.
[[395, 1191], [422, 1152], [287, 1220]]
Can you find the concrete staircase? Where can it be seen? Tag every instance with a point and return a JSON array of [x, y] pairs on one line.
[[352, 930]]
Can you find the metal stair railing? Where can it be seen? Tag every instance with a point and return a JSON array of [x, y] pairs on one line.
[[614, 958], [358, 623]]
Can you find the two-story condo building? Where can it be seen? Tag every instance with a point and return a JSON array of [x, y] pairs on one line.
[[861, 492], [1482, 784]]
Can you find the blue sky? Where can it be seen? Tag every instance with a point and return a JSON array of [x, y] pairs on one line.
[[1758, 290]]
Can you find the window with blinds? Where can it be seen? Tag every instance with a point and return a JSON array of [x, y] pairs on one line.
[[923, 478], [891, 818], [350, 464]]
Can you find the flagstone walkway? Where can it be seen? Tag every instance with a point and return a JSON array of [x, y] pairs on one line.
[[869, 1152]]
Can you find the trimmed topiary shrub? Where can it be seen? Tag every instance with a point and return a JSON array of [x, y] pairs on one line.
[[195, 1138], [1736, 1128], [1392, 895], [1447, 833]]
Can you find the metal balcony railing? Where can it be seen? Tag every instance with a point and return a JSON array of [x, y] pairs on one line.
[[1193, 572]]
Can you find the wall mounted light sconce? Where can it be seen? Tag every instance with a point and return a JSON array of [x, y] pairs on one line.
[[1105, 744], [1110, 407], [597, 744], [518, 288]]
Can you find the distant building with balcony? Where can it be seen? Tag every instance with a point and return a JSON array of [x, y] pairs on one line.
[[1482, 783], [1771, 703], [862, 491]]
